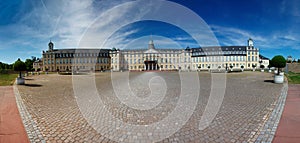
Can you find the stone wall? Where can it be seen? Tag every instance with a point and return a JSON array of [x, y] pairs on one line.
[[294, 67]]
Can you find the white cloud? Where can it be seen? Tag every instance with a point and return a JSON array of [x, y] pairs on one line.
[[62, 21], [235, 36], [276, 40], [66, 22]]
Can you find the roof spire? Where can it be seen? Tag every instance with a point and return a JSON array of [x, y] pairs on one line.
[[151, 43]]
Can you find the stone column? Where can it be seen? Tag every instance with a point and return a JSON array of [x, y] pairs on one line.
[[152, 67]]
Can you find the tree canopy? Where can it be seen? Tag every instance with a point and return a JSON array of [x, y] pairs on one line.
[[278, 61], [29, 63], [5, 66], [19, 65]]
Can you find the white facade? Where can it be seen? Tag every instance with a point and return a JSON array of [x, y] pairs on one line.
[[217, 57]]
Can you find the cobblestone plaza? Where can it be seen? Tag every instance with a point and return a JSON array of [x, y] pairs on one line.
[[51, 111]]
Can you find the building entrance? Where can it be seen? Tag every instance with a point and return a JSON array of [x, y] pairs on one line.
[[151, 65]]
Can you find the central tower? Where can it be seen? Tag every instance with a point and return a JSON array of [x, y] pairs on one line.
[[151, 44]]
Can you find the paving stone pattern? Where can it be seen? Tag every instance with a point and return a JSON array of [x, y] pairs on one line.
[[249, 112]]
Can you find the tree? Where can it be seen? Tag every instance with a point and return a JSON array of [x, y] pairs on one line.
[[253, 67], [242, 67], [19, 66], [278, 62], [231, 67], [29, 64], [5, 66], [1, 65]]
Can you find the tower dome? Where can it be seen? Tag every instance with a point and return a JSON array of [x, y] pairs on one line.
[[151, 45], [151, 42]]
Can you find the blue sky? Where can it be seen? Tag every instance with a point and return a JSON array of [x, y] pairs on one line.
[[26, 26]]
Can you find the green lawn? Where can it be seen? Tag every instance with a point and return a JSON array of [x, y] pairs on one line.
[[294, 78], [7, 79]]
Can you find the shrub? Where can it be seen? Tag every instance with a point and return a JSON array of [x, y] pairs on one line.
[[19, 66], [262, 66], [278, 62]]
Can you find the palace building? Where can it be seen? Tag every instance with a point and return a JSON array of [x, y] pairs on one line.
[[217, 57], [189, 59], [75, 59]]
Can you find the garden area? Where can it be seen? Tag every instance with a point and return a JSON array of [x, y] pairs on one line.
[[7, 79], [294, 78]]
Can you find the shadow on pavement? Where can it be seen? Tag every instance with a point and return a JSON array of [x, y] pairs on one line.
[[33, 85], [28, 79], [270, 81]]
